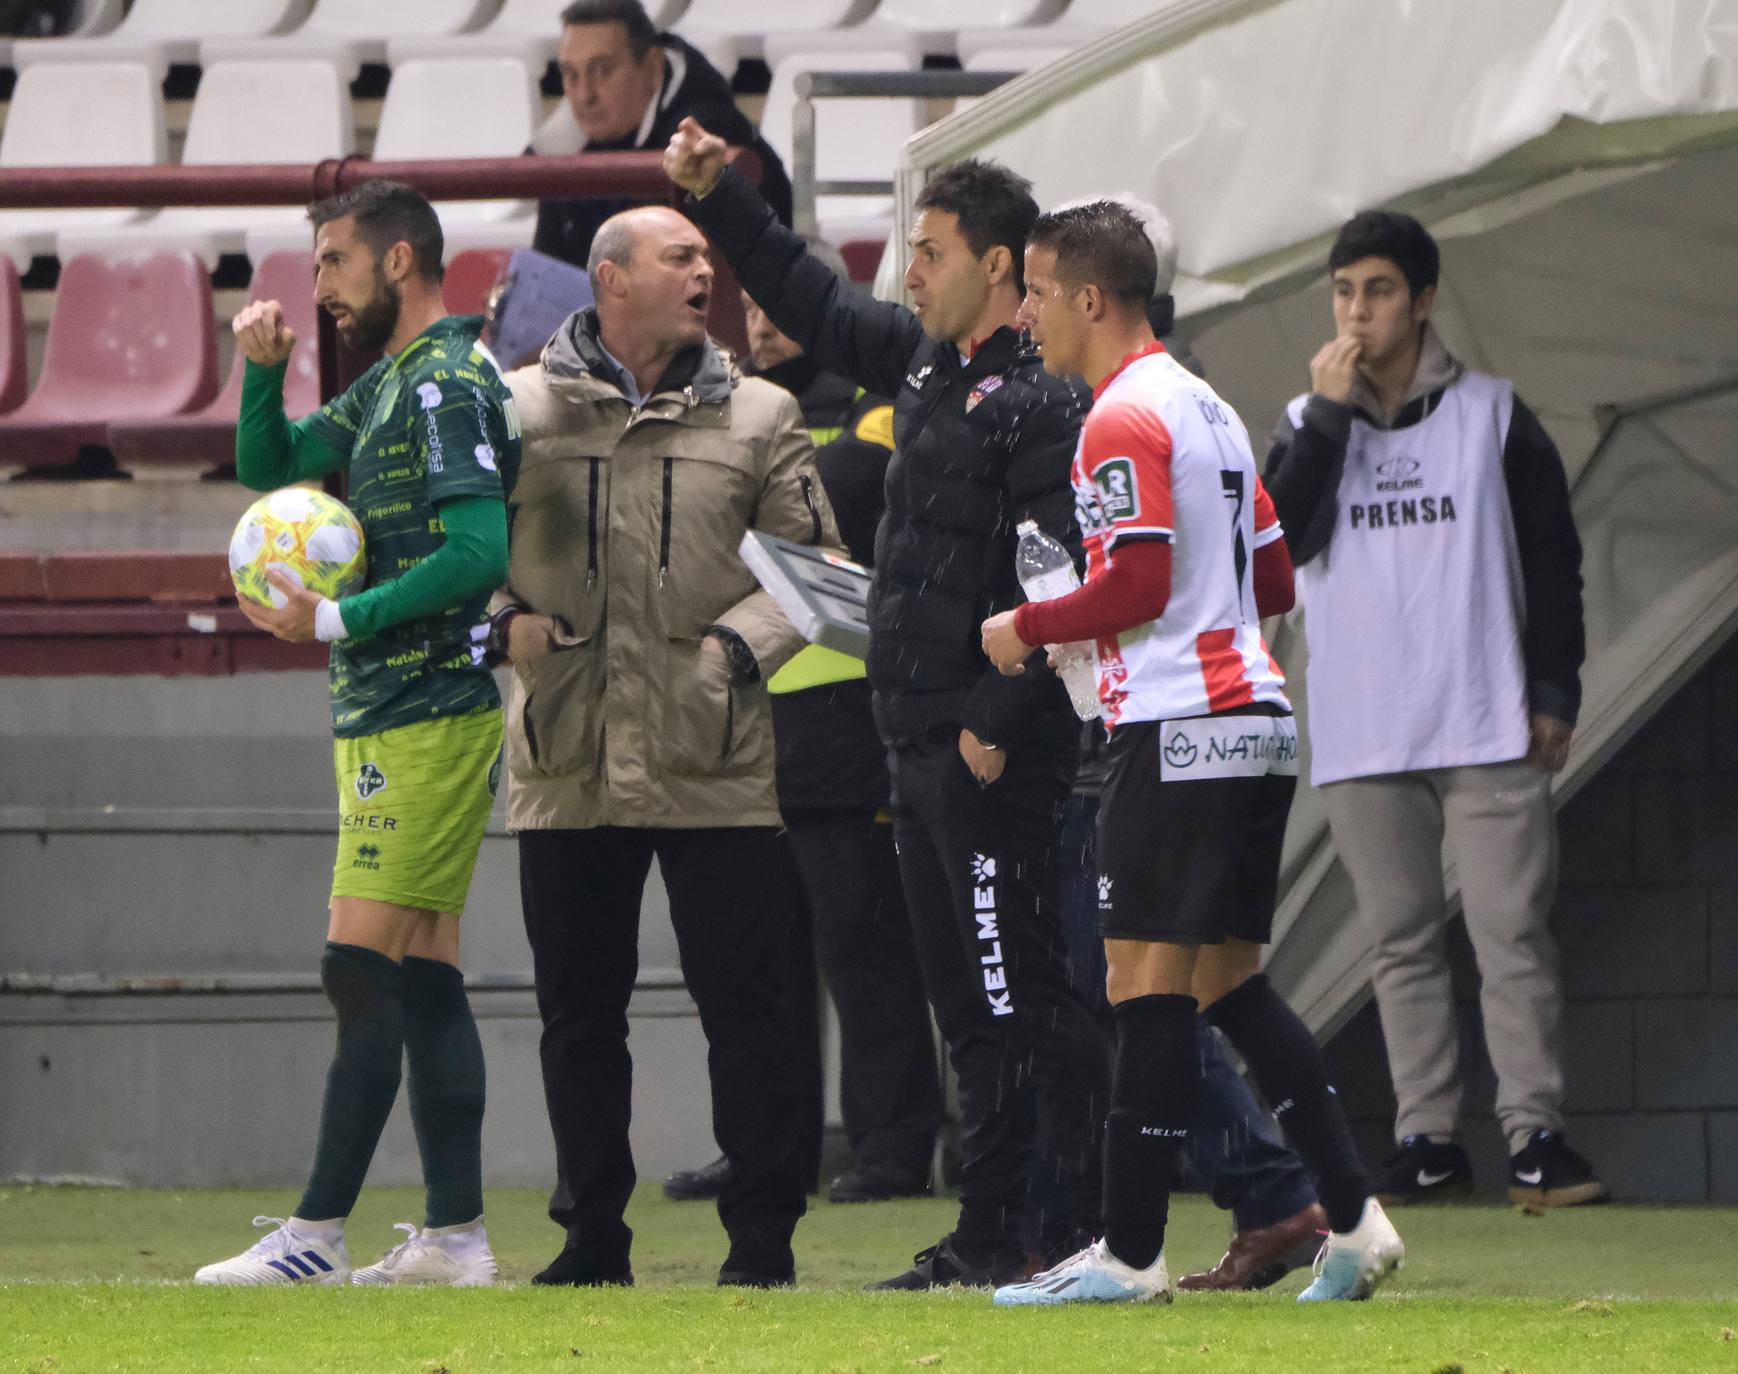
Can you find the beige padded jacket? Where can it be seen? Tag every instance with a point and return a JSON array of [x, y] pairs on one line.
[[624, 526]]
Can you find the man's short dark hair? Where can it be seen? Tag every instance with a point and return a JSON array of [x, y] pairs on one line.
[[1101, 244], [630, 14], [1388, 234], [389, 212], [993, 205]]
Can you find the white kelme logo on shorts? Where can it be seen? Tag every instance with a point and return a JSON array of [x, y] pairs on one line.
[[990, 935]]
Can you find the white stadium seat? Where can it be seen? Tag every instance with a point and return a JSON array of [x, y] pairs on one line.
[[727, 30], [351, 32], [288, 111], [78, 115], [464, 107], [1081, 22], [855, 139], [158, 32], [526, 29], [937, 25]]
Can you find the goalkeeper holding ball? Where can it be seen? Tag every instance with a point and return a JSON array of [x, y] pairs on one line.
[[430, 441]]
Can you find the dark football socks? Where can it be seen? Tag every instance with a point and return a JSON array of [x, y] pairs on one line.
[[445, 1055], [367, 991], [1287, 1066], [1155, 1082]]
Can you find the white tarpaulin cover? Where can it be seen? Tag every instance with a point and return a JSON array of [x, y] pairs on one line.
[[1578, 159]]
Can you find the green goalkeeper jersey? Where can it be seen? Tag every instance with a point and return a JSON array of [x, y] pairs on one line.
[[433, 425]]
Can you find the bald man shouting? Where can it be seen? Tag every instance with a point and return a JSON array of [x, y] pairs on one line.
[[647, 732]]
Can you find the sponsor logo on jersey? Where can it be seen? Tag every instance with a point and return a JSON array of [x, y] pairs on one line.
[[429, 394], [990, 935], [370, 822], [368, 857], [980, 391], [1229, 747], [486, 457], [1119, 495], [369, 780], [1104, 885]]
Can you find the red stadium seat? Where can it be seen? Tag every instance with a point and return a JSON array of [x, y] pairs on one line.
[[132, 338], [863, 258], [471, 276], [208, 435], [13, 380]]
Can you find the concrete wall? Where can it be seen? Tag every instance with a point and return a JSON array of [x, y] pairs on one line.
[[1647, 920], [183, 829]]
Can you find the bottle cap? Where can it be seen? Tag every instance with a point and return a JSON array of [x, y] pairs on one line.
[[1026, 527]]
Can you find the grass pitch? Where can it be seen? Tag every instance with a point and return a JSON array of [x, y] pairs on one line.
[[90, 1280]]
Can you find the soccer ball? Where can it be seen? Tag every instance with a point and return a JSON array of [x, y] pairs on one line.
[[308, 536]]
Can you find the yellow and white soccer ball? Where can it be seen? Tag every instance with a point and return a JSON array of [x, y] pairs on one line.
[[308, 536]]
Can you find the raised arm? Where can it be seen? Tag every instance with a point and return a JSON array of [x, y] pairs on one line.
[[847, 331]]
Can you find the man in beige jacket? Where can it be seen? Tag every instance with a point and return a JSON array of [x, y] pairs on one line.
[[638, 726]]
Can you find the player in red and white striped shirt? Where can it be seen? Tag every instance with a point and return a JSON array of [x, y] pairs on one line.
[[1184, 557]]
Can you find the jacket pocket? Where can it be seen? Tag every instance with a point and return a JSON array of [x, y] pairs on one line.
[[555, 715], [696, 723], [706, 499]]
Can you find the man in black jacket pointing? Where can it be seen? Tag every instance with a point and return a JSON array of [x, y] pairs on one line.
[[981, 763]]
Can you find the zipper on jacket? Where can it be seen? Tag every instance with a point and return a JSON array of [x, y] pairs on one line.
[[808, 485], [664, 531], [591, 530]]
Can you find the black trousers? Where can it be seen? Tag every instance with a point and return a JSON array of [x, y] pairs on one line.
[[983, 881], [889, 1082], [581, 891]]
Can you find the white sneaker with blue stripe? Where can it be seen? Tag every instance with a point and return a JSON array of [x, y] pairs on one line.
[[456, 1256], [1094, 1275], [291, 1253], [1352, 1266]]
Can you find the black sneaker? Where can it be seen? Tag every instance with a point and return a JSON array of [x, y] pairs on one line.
[[574, 1269], [944, 1265], [877, 1183], [698, 1185], [1423, 1171], [1547, 1173]]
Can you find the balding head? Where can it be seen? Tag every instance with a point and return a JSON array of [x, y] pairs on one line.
[[652, 280]]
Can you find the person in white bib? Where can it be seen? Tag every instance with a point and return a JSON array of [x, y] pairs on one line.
[[1440, 575]]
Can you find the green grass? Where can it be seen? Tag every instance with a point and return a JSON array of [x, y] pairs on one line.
[[89, 1280]]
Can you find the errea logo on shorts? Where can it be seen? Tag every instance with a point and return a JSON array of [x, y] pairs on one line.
[[990, 936], [369, 780]]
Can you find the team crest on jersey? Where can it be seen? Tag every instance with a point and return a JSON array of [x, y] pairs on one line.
[[1119, 495], [369, 780], [980, 391]]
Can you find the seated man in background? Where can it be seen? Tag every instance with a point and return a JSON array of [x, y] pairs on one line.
[[848, 911], [626, 87]]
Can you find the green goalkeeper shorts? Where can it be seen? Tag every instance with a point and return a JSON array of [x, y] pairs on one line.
[[412, 804]]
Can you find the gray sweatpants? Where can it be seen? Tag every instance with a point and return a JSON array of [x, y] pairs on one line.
[[1389, 831]]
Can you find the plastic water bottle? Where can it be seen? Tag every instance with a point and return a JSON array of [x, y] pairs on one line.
[[1046, 571]]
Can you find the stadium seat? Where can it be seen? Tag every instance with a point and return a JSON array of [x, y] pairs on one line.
[[159, 32], [13, 379], [937, 26], [729, 30], [351, 33], [855, 139], [526, 29], [863, 258], [1081, 22], [207, 435], [291, 111], [77, 115], [131, 339], [471, 276], [464, 107]]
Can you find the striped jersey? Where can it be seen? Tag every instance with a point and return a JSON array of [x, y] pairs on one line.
[[1162, 457]]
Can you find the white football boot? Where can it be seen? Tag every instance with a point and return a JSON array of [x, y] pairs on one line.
[[291, 1253], [1093, 1275], [456, 1256], [1352, 1266]]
